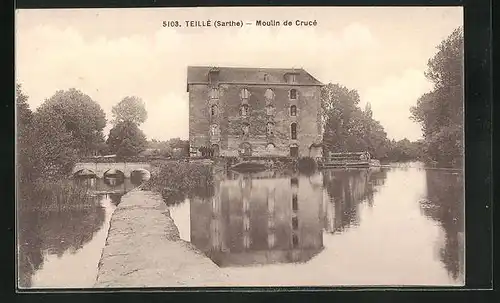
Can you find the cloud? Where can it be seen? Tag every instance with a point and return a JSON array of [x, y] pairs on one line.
[[153, 67], [391, 102]]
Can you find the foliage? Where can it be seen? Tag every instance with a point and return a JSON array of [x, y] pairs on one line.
[[405, 150], [178, 180], [24, 117], [346, 127], [126, 139], [440, 111], [45, 147], [130, 109], [174, 147], [81, 117], [55, 195]]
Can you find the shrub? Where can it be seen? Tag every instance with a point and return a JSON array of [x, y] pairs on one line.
[[56, 195], [306, 165], [178, 180]]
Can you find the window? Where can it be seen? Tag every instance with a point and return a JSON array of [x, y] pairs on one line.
[[293, 110], [214, 93], [294, 181], [215, 150], [266, 77], [214, 130], [244, 110], [270, 147], [269, 94], [246, 149], [294, 151], [246, 241], [246, 129], [270, 110], [244, 94], [213, 110], [271, 239], [293, 94], [270, 128], [295, 203], [295, 223], [270, 222], [293, 131], [295, 241], [246, 223]]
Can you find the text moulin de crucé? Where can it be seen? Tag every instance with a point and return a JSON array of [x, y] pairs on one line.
[[232, 23]]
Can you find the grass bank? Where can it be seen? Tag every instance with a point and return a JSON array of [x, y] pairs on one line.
[[53, 196]]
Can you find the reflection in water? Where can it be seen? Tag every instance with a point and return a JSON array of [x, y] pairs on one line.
[[256, 219], [445, 204], [346, 189], [61, 248], [336, 227]]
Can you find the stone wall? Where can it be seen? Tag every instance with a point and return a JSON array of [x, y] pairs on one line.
[[143, 249], [230, 121]]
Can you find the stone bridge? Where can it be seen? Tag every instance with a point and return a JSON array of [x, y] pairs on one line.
[[101, 169]]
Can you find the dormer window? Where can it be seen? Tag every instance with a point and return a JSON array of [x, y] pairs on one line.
[[213, 75], [245, 94], [291, 77], [214, 93], [293, 94]]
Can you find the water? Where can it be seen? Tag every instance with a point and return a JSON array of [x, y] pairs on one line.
[[392, 226], [62, 249]]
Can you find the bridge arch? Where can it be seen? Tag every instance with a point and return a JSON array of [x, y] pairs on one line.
[[146, 174], [84, 172], [113, 172]]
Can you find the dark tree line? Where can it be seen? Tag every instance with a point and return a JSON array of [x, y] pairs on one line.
[[440, 111], [68, 126], [348, 128]]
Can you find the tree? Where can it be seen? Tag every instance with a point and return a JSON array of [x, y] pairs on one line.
[[126, 139], [24, 117], [130, 109], [339, 105], [81, 117], [440, 111]]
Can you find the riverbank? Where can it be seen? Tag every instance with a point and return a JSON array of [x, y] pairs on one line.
[[143, 249]]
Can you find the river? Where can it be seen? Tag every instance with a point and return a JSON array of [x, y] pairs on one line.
[[402, 225], [62, 248]]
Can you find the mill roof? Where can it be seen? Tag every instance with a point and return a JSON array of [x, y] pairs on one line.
[[246, 75]]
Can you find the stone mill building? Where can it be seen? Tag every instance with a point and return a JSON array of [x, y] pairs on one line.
[[258, 112]]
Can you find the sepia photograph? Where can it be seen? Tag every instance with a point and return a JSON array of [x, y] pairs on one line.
[[239, 147]]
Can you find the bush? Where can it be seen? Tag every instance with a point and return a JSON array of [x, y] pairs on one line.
[[56, 195], [306, 165], [178, 180]]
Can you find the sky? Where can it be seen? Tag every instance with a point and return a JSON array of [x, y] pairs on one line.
[[109, 54]]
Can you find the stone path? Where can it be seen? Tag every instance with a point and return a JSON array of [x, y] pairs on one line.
[[143, 249]]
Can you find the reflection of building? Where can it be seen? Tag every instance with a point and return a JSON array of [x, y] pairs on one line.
[[345, 190], [252, 220], [253, 112]]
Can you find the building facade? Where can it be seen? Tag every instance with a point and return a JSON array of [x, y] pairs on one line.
[[254, 112]]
